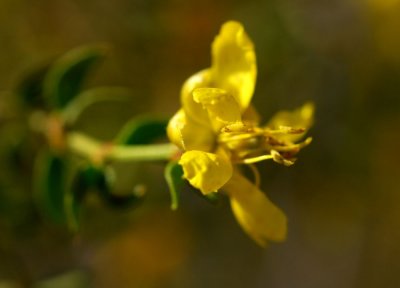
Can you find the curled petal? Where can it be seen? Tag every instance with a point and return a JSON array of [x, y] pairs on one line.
[[193, 109], [207, 172], [257, 215], [302, 117], [189, 135], [222, 108], [234, 63]]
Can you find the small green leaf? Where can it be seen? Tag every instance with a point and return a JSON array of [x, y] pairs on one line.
[[65, 77], [93, 96], [87, 178], [143, 130], [174, 176], [105, 187], [50, 181], [75, 197], [100, 180], [30, 89]]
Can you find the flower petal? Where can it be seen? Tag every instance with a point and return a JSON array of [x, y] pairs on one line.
[[207, 172], [302, 117], [222, 108], [257, 215], [194, 110], [234, 63], [188, 135]]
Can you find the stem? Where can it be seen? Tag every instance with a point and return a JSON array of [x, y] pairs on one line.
[[88, 147]]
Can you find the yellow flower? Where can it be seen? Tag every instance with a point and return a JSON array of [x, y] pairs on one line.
[[218, 129]]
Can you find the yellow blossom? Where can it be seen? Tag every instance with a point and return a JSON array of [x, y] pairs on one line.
[[218, 130]]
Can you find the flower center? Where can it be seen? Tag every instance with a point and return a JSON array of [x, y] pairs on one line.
[[250, 144]]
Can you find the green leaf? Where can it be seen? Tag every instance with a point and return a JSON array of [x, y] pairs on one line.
[[50, 181], [75, 197], [30, 89], [105, 187], [97, 179], [65, 77], [142, 130], [93, 96], [174, 176]]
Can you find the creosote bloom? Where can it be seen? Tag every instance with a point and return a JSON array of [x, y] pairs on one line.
[[218, 130]]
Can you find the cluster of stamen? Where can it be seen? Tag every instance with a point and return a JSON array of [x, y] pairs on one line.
[[249, 144]]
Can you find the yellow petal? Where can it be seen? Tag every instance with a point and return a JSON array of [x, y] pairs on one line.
[[257, 215], [222, 108], [207, 172], [234, 63], [302, 117], [193, 109], [188, 135]]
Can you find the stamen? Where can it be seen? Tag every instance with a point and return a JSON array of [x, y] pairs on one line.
[[285, 130], [250, 145], [278, 158], [293, 147], [257, 159], [224, 138], [229, 135], [247, 153]]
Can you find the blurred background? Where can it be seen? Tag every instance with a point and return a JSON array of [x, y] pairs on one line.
[[342, 197]]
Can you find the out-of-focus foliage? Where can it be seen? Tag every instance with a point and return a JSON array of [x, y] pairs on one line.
[[60, 188], [342, 197]]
